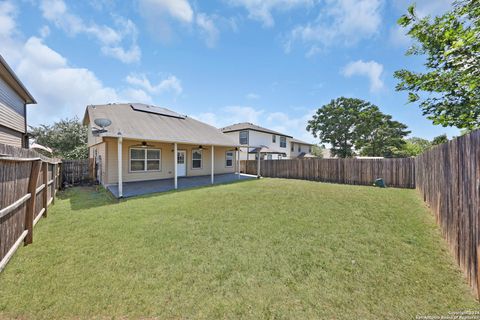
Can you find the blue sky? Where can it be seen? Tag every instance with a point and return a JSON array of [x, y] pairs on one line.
[[271, 62]]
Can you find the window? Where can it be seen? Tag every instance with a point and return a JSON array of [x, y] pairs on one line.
[[283, 142], [244, 137], [197, 159], [292, 146], [269, 157], [274, 138], [229, 159], [299, 148], [144, 159], [310, 149]]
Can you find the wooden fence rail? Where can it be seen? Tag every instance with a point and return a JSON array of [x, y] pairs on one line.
[[27, 187], [448, 179], [396, 172], [75, 172]]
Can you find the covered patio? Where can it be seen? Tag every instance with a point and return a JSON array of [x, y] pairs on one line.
[[137, 188]]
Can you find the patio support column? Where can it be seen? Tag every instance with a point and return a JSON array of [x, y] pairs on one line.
[[213, 165], [258, 165], [175, 171], [120, 167], [238, 162]]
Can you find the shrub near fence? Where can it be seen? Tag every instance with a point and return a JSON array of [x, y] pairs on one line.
[[27, 187], [396, 172], [448, 179]]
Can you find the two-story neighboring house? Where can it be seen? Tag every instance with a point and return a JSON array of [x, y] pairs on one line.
[[255, 139], [300, 149], [14, 98]]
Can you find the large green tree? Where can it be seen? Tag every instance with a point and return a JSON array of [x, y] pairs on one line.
[[350, 125], [67, 138], [448, 90], [379, 135]]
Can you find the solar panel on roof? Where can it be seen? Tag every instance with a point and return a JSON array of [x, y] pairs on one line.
[[156, 110]]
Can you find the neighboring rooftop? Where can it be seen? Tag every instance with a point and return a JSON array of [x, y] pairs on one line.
[[301, 142], [251, 126], [146, 122], [7, 74]]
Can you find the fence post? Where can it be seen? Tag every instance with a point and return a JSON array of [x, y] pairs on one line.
[[45, 190], [32, 187], [54, 177]]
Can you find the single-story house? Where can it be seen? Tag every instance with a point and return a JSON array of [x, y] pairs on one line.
[[134, 142]]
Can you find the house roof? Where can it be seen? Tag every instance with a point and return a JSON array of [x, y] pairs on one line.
[[265, 149], [250, 126], [150, 123], [7, 74], [301, 142]]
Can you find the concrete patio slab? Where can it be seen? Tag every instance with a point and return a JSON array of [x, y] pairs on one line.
[[132, 189]]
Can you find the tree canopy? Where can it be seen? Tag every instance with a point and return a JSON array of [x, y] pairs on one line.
[[67, 138], [351, 125], [450, 83]]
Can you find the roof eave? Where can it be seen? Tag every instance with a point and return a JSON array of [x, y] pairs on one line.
[[25, 94]]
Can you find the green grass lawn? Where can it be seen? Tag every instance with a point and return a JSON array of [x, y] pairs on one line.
[[271, 248]]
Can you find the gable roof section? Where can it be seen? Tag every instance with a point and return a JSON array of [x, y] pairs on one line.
[[301, 142], [160, 125], [11, 78], [250, 126]]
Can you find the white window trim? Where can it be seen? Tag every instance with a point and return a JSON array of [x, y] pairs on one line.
[[240, 137], [145, 160], [233, 158], [281, 142], [274, 138], [201, 160]]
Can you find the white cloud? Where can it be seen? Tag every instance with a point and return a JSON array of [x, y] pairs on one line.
[[44, 31], [371, 69], [252, 96], [111, 40], [343, 22], [170, 84], [261, 10], [278, 121], [208, 29], [7, 21], [60, 89], [179, 9]]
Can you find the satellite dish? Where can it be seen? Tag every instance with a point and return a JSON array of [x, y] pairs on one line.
[[102, 123]]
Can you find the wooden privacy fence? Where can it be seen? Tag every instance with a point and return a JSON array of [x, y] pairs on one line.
[[75, 172], [396, 172], [447, 178], [27, 187]]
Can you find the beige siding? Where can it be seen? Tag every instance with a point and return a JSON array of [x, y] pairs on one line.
[[167, 161], [12, 108], [91, 139], [102, 153], [11, 137]]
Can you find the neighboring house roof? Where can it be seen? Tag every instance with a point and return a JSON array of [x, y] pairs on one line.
[[144, 122], [305, 155], [265, 149], [11, 78], [301, 142], [250, 126]]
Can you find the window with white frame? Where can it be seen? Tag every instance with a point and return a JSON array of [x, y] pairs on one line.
[[310, 149], [244, 137], [229, 159], [142, 159], [269, 156], [283, 142], [292, 145], [299, 148], [197, 158], [274, 138]]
